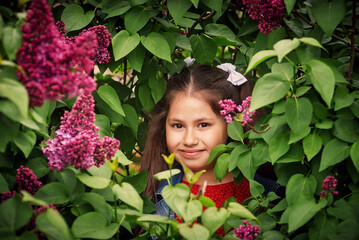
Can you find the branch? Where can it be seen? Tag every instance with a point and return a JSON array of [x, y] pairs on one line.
[[202, 18]]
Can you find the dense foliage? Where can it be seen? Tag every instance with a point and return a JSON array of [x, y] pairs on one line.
[[60, 176]]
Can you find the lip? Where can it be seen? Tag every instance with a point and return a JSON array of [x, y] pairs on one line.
[[191, 153]]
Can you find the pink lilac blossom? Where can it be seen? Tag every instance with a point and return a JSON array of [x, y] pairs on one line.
[[53, 69], [240, 113], [328, 185], [269, 13], [77, 142], [6, 195], [247, 232], [102, 55], [27, 180]]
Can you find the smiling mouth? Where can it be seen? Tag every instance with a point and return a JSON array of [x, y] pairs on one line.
[[191, 153]]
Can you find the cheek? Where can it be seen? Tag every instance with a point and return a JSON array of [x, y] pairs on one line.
[[171, 141]]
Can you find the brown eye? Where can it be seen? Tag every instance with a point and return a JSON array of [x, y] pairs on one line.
[[203, 125], [177, 125]]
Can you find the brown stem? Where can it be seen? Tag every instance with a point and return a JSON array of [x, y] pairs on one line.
[[262, 125], [201, 18], [124, 71], [352, 41]]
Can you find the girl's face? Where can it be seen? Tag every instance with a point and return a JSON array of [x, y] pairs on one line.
[[193, 129]]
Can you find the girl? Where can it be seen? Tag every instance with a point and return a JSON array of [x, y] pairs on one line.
[[187, 121]]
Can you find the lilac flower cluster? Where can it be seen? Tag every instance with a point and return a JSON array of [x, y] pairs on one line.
[[247, 232], [77, 142], [328, 185], [269, 13], [52, 67], [25, 180], [239, 113], [102, 55]]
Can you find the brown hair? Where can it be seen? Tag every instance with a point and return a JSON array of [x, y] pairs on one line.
[[212, 83]]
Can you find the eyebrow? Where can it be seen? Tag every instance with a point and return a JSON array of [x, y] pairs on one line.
[[197, 120]]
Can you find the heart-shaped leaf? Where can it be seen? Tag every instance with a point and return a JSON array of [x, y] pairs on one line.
[[136, 19], [178, 8], [128, 194], [285, 46], [123, 43], [212, 218], [196, 232], [157, 45], [329, 14], [298, 113], [188, 210], [75, 18], [312, 145]]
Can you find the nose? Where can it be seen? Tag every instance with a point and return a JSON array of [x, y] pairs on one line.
[[190, 138]]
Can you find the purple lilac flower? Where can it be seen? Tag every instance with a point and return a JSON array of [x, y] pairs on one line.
[[6, 195], [329, 184], [77, 142], [50, 64], [247, 232], [27, 180], [102, 55], [240, 113], [269, 13]]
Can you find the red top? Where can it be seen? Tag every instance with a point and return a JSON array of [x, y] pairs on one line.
[[220, 192]]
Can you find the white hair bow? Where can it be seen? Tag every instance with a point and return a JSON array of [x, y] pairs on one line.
[[234, 77]]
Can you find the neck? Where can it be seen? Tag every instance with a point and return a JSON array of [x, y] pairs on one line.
[[209, 177]]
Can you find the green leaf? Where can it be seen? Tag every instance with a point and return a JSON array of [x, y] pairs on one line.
[[157, 45], [131, 119], [323, 226], [171, 193], [39, 166], [221, 167], [109, 96], [234, 158], [144, 93], [285, 69], [204, 48], [295, 154], [329, 14], [235, 131], [153, 218], [312, 145], [178, 8], [188, 210], [289, 4], [166, 174], [334, 152], [278, 146], [216, 151], [138, 181], [299, 184], [298, 113], [53, 225], [15, 92], [240, 211], [14, 213], [122, 159], [213, 218], [256, 188], [123, 43], [128, 194], [12, 39], [342, 98], [115, 8], [93, 225], [25, 141], [93, 181], [136, 57], [268, 89], [158, 87], [285, 46], [182, 41], [99, 204], [260, 57], [3, 184], [53, 193], [103, 170], [220, 30], [103, 123], [346, 130], [27, 197], [247, 165], [295, 137], [312, 41], [323, 79], [354, 155], [75, 18], [136, 19], [196, 232], [303, 209]]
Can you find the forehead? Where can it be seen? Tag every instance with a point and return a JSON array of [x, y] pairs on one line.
[[188, 105]]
